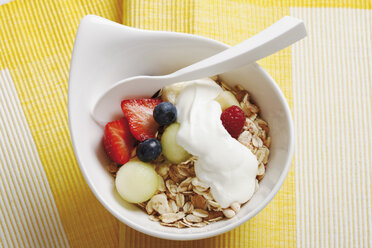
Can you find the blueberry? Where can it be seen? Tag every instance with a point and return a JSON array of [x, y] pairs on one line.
[[165, 113], [149, 150]]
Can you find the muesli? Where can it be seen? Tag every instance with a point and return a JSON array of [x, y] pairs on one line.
[[161, 177]]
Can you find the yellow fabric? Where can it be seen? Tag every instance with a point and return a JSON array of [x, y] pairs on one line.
[[36, 43]]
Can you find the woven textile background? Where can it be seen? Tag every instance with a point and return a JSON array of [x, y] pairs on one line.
[[326, 78]]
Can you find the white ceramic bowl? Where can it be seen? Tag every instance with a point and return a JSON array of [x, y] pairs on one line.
[[106, 52]]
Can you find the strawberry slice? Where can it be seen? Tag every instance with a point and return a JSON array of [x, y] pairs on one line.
[[139, 113], [118, 141]]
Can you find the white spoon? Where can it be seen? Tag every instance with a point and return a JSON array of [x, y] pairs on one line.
[[281, 34]]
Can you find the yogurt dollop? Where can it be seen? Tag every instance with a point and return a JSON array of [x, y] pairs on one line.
[[225, 165]]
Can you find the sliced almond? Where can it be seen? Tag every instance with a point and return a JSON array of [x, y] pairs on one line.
[[262, 136], [173, 206], [170, 195], [181, 189], [162, 170], [186, 182], [253, 117], [161, 186], [186, 222], [216, 219], [199, 224], [250, 126], [229, 213], [149, 208], [235, 206], [257, 142], [266, 156], [175, 175], [208, 195], [153, 218], [253, 108], [189, 188], [171, 217], [185, 193], [214, 204], [171, 186], [245, 138], [188, 207], [159, 203], [177, 224], [263, 125], [197, 183], [198, 190], [245, 107], [167, 224], [261, 169], [245, 98], [184, 172], [180, 200], [193, 218], [268, 142], [200, 213]]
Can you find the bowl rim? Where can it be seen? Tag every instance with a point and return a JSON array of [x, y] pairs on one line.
[[188, 236]]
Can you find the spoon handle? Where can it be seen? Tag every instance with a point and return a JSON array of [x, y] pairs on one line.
[[278, 36]]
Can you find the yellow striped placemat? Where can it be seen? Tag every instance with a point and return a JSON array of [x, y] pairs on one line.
[[36, 43], [332, 88], [326, 199]]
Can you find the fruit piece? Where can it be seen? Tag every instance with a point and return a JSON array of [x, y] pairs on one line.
[[136, 181], [170, 92], [171, 150], [118, 141], [149, 150], [165, 113], [139, 114], [233, 119], [226, 99]]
